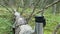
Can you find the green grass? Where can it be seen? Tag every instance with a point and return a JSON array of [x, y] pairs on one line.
[[6, 21], [5, 26]]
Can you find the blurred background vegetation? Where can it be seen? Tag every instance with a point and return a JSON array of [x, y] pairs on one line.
[[28, 8]]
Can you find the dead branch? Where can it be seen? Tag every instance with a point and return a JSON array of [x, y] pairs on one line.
[[33, 11], [5, 7], [47, 6]]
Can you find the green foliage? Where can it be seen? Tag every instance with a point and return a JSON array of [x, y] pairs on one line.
[[6, 21]]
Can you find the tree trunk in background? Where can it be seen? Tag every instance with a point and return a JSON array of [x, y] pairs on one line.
[[22, 2], [42, 4], [1, 2], [10, 3], [58, 8], [30, 4], [54, 9]]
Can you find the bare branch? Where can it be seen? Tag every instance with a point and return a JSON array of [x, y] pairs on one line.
[[48, 6], [23, 10], [42, 9], [23, 7], [5, 7], [45, 8], [33, 11]]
